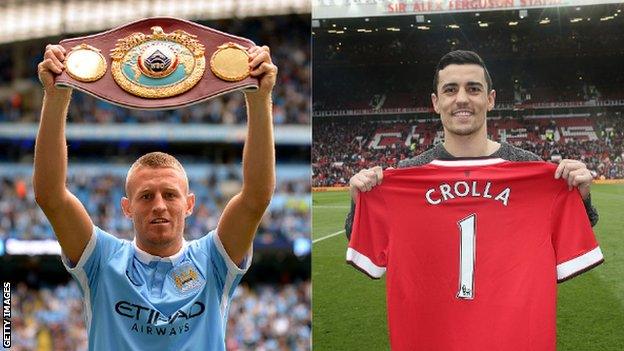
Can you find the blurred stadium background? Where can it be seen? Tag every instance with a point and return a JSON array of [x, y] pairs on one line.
[[558, 71], [558, 75], [271, 309]]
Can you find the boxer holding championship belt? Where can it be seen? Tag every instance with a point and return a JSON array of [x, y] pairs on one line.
[[158, 292], [157, 63]]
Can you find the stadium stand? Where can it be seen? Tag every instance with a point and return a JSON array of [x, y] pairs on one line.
[[339, 150], [524, 60], [558, 79], [286, 221]]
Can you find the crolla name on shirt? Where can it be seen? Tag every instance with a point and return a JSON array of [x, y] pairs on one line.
[[158, 324], [445, 192]]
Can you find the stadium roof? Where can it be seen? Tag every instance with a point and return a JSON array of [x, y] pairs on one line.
[[323, 9], [24, 20], [608, 14]]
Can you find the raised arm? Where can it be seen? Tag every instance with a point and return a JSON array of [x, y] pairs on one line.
[[243, 213], [69, 219]]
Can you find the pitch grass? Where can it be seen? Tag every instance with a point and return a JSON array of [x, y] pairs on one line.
[[349, 309]]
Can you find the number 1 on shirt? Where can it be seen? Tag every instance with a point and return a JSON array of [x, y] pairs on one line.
[[467, 247]]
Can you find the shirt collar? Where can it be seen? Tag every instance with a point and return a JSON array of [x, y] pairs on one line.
[[146, 257]]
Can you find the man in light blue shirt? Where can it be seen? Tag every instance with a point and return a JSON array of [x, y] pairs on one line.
[[135, 300], [157, 292]]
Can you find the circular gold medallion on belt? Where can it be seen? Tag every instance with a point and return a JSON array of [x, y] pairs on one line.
[[230, 62], [85, 63]]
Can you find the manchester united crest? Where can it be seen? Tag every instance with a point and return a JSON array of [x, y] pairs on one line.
[[158, 65]]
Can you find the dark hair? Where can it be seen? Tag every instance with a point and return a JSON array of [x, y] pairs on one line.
[[460, 57]]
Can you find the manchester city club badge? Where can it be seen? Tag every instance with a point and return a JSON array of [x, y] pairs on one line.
[[158, 65], [186, 278]]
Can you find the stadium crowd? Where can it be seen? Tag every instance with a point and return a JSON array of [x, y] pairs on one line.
[[47, 318], [268, 318], [285, 35], [261, 318], [342, 146], [605, 161], [287, 220]]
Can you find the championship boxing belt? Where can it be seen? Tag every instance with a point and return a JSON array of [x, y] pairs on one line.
[[157, 63]]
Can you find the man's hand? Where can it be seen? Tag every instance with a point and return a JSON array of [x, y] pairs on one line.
[[576, 174], [52, 64], [365, 180], [261, 66]]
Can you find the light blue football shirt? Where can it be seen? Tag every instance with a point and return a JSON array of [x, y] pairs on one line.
[[137, 301]]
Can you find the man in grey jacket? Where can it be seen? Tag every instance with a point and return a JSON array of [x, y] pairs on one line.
[[462, 97]]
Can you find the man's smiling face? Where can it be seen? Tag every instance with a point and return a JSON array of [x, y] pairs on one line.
[[462, 99]]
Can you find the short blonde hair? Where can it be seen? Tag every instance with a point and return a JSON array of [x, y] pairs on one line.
[[156, 160]]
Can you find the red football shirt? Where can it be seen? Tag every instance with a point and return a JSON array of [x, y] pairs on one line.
[[473, 250]]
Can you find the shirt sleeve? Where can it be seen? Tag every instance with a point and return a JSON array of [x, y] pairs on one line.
[[573, 239], [368, 244], [227, 273], [99, 248]]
